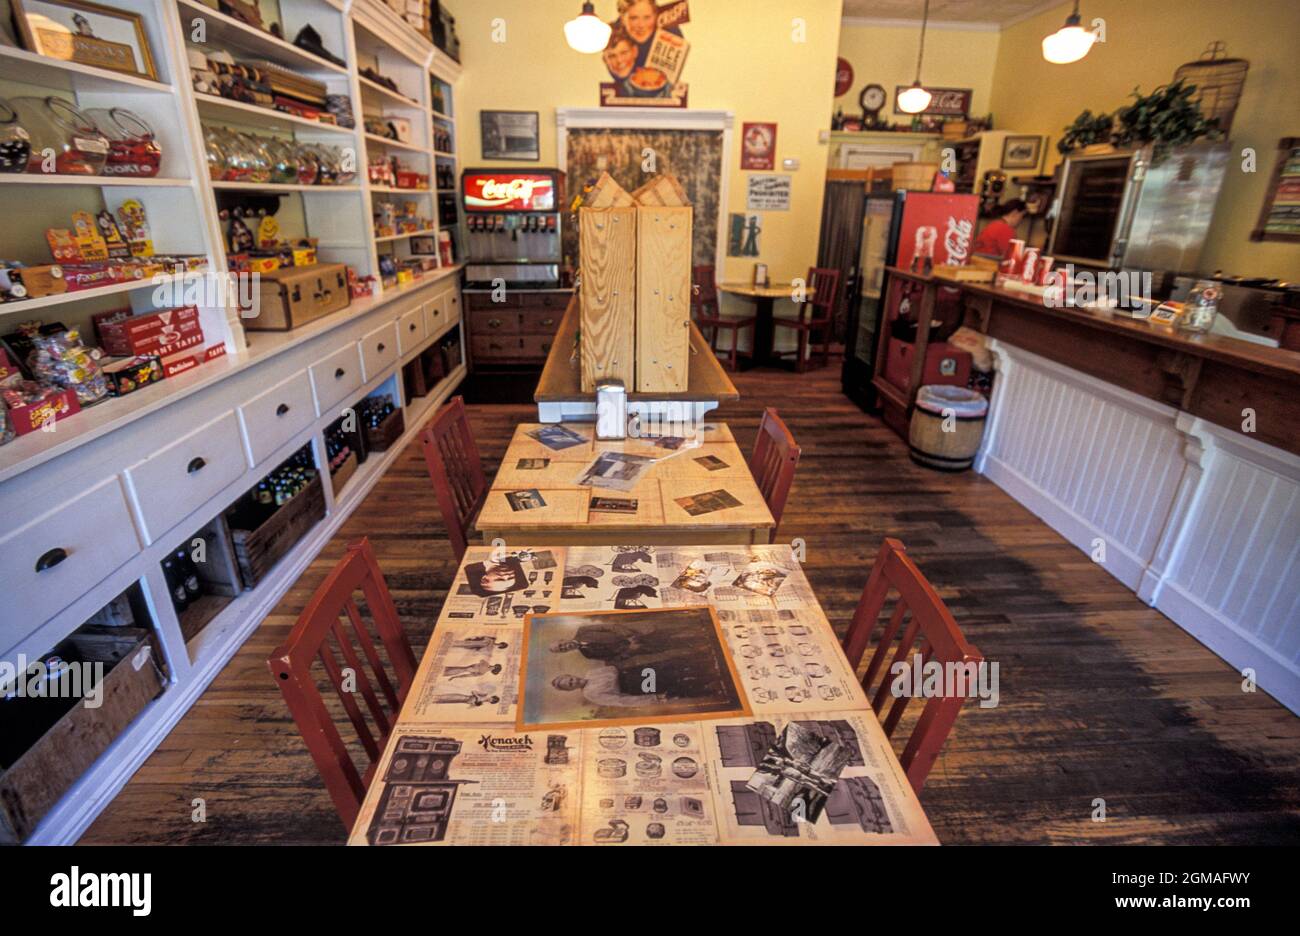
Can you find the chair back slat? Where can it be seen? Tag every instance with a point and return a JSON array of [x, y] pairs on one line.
[[323, 634], [703, 277], [825, 282], [773, 461], [928, 635], [452, 458]]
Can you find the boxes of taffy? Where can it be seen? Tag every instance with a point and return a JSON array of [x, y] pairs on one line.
[[27, 404]]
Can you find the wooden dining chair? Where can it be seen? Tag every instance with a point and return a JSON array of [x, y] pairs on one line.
[[329, 632], [451, 455], [773, 461], [816, 316], [707, 312], [930, 631]]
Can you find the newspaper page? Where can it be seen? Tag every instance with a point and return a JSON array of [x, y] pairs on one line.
[[469, 673], [500, 585]]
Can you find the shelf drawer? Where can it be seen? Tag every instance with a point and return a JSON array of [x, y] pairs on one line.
[[497, 347], [275, 416], [80, 541], [502, 321], [335, 376], [379, 349], [537, 346], [411, 329], [435, 314], [541, 321], [176, 480], [556, 302], [452, 304]]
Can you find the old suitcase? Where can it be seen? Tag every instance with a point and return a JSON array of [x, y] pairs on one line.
[[293, 296]]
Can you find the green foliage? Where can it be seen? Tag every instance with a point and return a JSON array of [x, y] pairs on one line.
[[1086, 130], [1165, 118]]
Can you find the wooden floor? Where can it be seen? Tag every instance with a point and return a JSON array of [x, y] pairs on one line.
[[1101, 696]]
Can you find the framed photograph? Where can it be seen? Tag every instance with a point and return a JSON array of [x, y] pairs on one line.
[[86, 33], [510, 135], [424, 246], [758, 146], [590, 668], [1021, 152]]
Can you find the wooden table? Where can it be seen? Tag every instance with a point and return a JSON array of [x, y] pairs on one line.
[[660, 517], [764, 329], [456, 771]]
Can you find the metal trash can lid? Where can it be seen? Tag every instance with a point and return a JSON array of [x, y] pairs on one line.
[[940, 398]]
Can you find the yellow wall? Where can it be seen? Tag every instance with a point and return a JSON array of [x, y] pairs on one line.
[[886, 55], [742, 59], [1145, 42]]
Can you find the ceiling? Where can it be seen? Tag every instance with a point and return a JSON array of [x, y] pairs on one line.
[[985, 12]]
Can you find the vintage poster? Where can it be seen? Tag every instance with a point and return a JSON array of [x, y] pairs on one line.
[[743, 233], [646, 784], [616, 470], [484, 785], [768, 193], [646, 54], [758, 146], [469, 673], [617, 667], [500, 585], [793, 780]]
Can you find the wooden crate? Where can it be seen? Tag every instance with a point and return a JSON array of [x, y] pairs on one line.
[[607, 248], [34, 782], [414, 381], [259, 549], [663, 299], [343, 473], [219, 576], [386, 433]]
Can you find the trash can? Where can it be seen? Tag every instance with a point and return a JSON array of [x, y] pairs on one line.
[[947, 427]]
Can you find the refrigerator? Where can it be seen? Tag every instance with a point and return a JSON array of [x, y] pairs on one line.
[[909, 230]]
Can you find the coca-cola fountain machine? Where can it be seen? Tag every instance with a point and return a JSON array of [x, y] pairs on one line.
[[513, 221]]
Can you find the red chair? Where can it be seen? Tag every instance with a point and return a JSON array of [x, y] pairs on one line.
[[309, 641], [773, 461], [815, 316], [707, 313], [456, 470], [931, 627]]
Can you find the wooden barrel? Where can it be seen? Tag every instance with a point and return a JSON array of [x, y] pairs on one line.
[[947, 427]]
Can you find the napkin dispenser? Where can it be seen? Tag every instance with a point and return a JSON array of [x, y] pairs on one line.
[[611, 409]]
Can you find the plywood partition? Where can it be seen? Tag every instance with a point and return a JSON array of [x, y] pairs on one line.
[[663, 286], [607, 248]]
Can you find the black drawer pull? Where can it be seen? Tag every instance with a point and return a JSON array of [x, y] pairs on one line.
[[494, 323], [194, 465], [282, 409], [380, 347], [51, 559], [548, 321], [412, 326], [338, 374]]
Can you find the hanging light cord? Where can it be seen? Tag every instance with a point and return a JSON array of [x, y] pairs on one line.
[[920, 52]]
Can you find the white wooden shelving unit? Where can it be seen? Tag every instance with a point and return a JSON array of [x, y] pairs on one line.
[[89, 480]]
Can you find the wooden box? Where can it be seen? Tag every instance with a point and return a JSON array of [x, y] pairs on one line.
[[415, 380], [259, 549], [343, 473], [386, 433], [663, 299], [293, 296], [32, 784], [219, 576], [607, 248]]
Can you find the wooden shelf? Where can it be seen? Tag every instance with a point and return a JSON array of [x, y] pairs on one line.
[[284, 187], [368, 84], [226, 30], [30, 68], [388, 190], [396, 144], [396, 237], [22, 178], [45, 302], [251, 114]]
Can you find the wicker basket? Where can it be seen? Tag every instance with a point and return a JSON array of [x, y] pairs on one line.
[[914, 176], [1218, 81]]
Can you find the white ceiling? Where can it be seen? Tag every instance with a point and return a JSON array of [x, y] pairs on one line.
[[989, 13]]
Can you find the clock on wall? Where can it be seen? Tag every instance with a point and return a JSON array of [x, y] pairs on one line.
[[872, 100]]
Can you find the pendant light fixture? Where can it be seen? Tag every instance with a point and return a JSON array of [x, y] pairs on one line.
[[916, 99], [1069, 43], [587, 32]]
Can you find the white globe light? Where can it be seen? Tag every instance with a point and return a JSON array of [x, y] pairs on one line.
[[587, 32], [1068, 44], [914, 100]]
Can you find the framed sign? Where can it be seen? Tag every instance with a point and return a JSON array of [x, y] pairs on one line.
[[646, 54], [758, 146], [1021, 152], [510, 135], [944, 102], [85, 33], [768, 193]]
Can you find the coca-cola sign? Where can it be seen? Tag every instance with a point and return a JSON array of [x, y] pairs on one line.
[[509, 191], [944, 102]]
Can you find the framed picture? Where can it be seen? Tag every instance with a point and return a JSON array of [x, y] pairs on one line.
[[1021, 152], [510, 135], [758, 146], [424, 246], [85, 33], [944, 102]]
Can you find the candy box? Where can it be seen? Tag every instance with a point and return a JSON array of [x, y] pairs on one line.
[[179, 363], [132, 335], [126, 375], [32, 405]]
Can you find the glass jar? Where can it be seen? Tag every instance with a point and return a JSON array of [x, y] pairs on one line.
[[15, 144], [327, 158], [215, 153], [284, 162], [132, 149], [260, 170], [57, 128], [308, 164], [1201, 308], [344, 159]]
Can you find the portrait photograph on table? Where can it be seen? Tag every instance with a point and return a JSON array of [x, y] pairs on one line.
[[589, 668]]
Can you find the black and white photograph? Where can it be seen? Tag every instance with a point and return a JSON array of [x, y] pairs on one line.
[[510, 135]]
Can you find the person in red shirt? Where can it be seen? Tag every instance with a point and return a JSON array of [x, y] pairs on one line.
[[995, 239]]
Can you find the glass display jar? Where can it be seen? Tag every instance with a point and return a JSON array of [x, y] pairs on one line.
[[15, 144], [308, 164], [132, 149], [215, 153], [284, 161], [261, 159], [63, 133], [327, 158]]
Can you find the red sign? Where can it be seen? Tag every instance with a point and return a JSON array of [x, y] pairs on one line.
[[944, 102], [509, 191], [758, 146], [843, 76]]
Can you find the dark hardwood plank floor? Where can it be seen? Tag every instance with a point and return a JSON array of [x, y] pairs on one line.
[[1101, 696]]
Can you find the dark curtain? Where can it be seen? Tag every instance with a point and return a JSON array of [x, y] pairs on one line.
[[842, 210]]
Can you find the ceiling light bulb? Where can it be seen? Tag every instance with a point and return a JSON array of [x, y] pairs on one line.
[[914, 100], [1069, 43], [587, 32]]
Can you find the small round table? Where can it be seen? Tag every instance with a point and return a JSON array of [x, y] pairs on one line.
[[763, 297]]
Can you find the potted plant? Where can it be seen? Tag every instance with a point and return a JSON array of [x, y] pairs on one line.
[[1165, 118], [1090, 132]]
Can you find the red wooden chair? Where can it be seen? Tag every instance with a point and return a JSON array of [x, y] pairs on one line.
[[456, 470], [816, 316], [931, 631], [773, 461], [310, 641], [708, 315]]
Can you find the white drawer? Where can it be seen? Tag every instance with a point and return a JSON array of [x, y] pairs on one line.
[[176, 480], [410, 329], [335, 376], [275, 416], [379, 349], [435, 314], [451, 302], [81, 542]]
